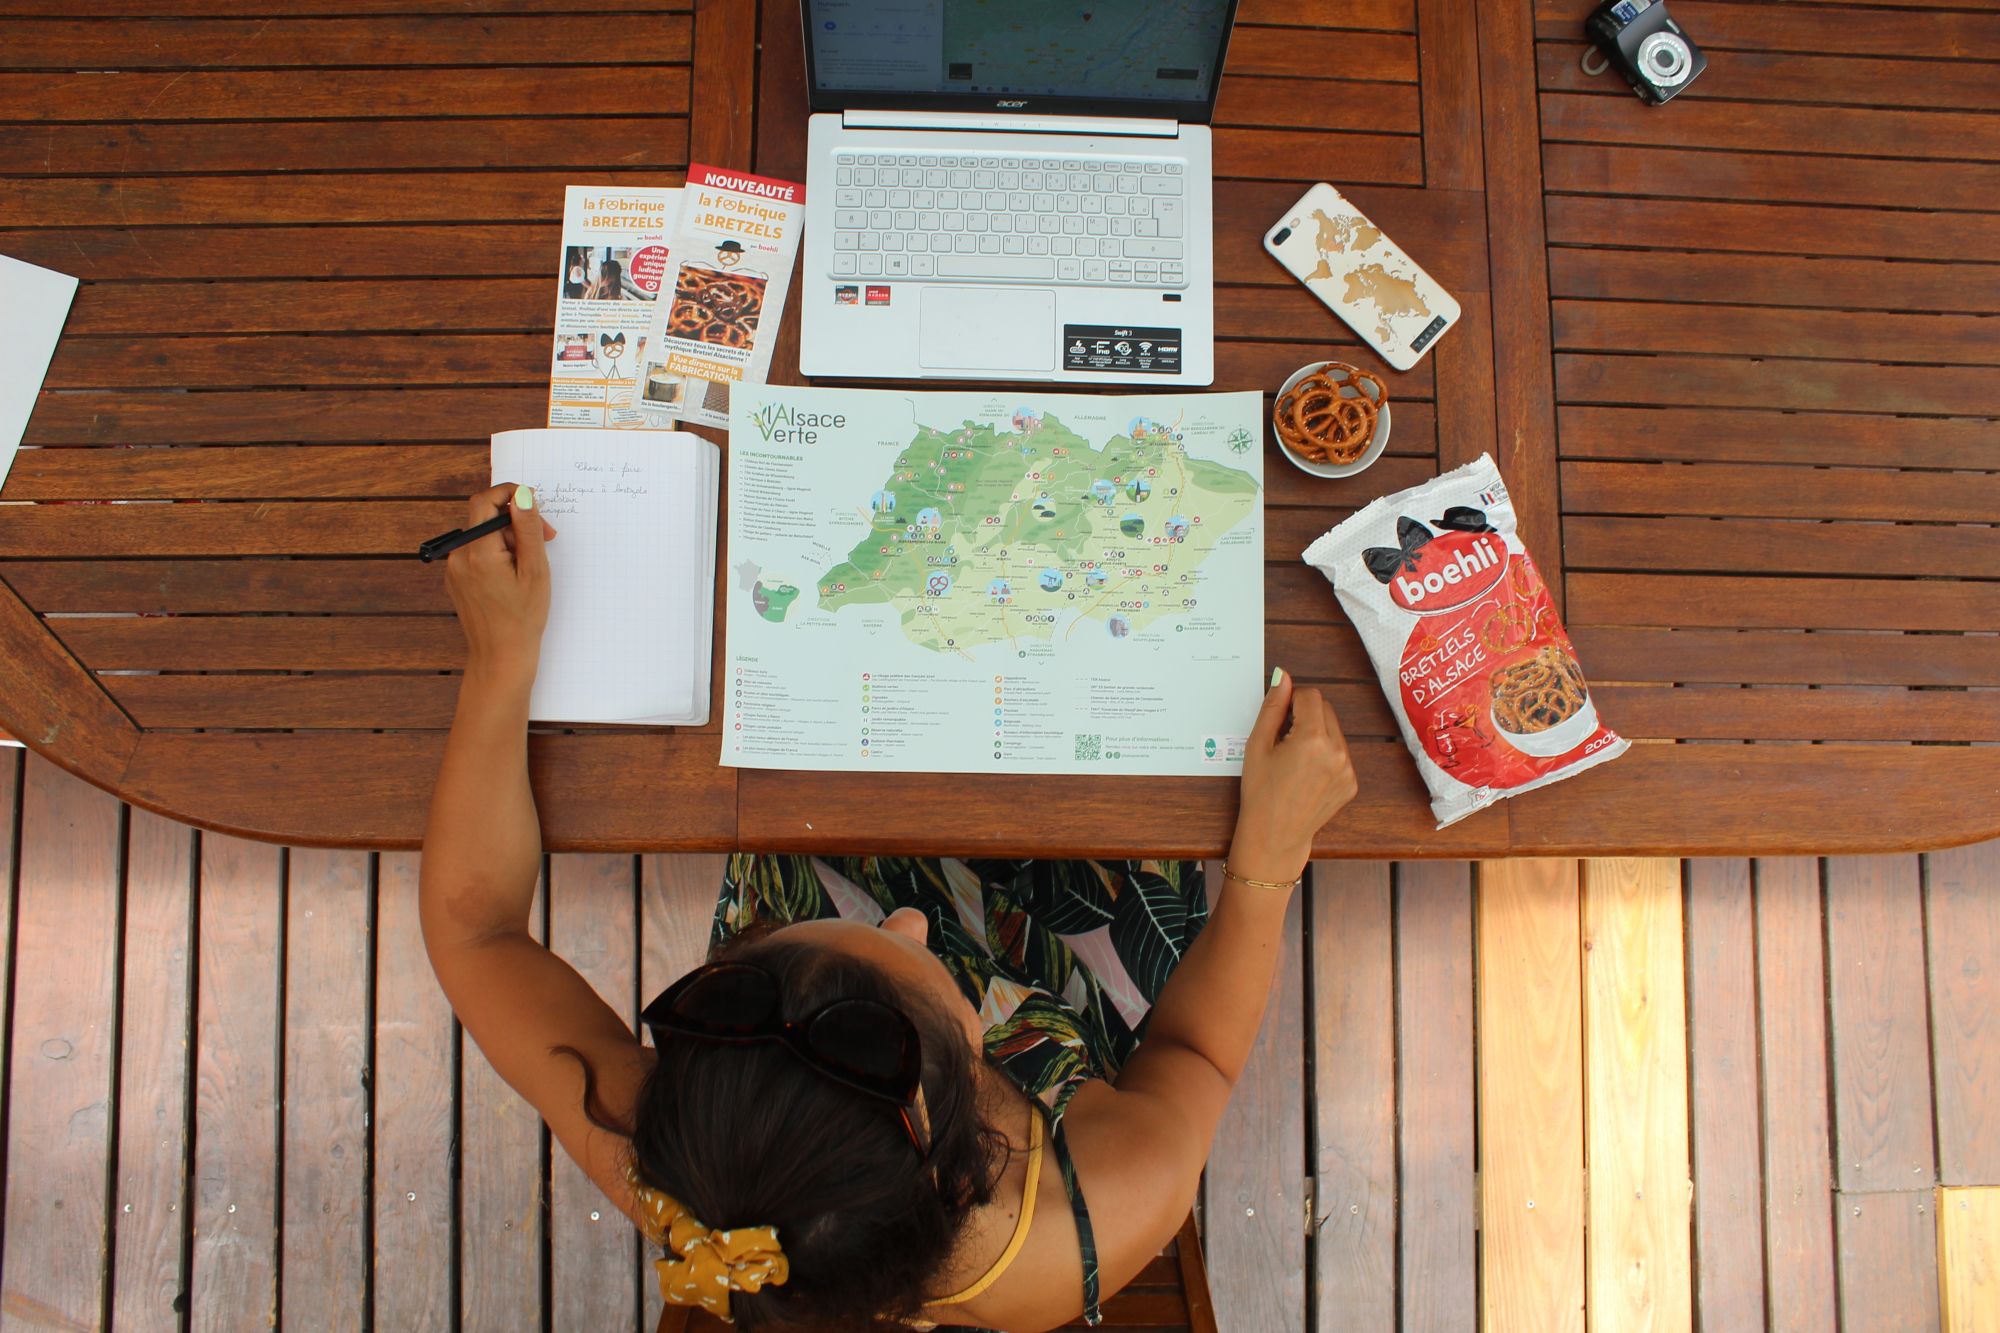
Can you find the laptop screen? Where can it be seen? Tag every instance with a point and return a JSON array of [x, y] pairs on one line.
[[1140, 57]]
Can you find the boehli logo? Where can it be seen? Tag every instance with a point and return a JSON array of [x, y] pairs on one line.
[[779, 424], [1427, 573]]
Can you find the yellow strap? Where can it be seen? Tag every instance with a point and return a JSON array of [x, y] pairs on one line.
[[1021, 1225]]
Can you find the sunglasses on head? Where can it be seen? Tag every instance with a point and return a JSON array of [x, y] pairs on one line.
[[860, 1044]]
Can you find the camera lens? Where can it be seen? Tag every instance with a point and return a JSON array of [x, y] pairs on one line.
[[1665, 59]]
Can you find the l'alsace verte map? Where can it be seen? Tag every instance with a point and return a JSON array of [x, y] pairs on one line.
[[993, 583]]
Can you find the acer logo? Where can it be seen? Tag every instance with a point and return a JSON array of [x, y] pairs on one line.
[[1449, 572], [1004, 105]]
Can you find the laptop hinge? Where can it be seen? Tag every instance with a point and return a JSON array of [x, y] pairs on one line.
[[1003, 121]]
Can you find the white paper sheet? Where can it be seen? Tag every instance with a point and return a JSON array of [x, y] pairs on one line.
[[630, 618], [34, 302]]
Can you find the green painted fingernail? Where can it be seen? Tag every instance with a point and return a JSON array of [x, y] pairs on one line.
[[524, 497], [1277, 674]]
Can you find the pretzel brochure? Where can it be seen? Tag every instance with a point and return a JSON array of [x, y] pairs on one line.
[[733, 245], [614, 262]]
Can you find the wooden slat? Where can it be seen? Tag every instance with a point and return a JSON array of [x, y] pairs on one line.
[[1353, 1096], [725, 56], [1255, 1234], [324, 1250], [226, 528], [1285, 51], [553, 39], [677, 897], [154, 9], [1962, 936], [592, 1248], [1840, 713], [314, 305], [1772, 280], [1381, 107], [60, 1076], [238, 586], [1723, 1102], [111, 254], [150, 1197], [1524, 390], [1377, 159], [1438, 1211], [1791, 1030], [262, 416], [1817, 439], [274, 643], [291, 702], [1802, 77], [308, 361], [1788, 657], [1531, 1271], [1753, 490], [413, 1144], [1772, 128], [1771, 603], [1783, 229], [1730, 27], [54, 151], [1639, 1267], [502, 1213], [1752, 330], [1802, 546], [335, 94], [239, 1012], [1383, 15], [1888, 1262], [1877, 1011], [1805, 385], [1592, 169], [388, 196], [246, 472], [1969, 1259]]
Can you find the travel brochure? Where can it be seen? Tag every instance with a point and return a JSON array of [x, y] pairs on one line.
[[614, 261], [732, 246]]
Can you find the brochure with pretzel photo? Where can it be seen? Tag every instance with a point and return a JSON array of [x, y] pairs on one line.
[[614, 261], [733, 245]]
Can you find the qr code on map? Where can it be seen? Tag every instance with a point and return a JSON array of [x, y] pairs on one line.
[[1090, 745]]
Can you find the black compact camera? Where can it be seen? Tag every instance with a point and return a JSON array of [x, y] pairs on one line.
[[1645, 45]]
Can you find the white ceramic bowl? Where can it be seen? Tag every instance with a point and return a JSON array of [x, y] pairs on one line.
[[1361, 464], [1560, 739]]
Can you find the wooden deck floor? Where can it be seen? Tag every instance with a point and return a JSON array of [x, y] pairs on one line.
[[233, 1094]]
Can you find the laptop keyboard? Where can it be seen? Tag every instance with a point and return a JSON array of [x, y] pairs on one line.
[[1063, 220]]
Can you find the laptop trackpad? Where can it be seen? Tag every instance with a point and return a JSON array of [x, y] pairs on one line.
[[987, 328]]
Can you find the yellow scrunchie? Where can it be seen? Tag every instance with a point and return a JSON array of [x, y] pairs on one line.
[[703, 1266]]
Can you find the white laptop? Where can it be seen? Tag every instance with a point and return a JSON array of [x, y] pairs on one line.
[[1007, 191]]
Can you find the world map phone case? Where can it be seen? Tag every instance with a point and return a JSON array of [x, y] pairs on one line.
[[1345, 260]]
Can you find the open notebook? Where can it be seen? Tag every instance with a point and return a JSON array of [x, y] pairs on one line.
[[632, 611]]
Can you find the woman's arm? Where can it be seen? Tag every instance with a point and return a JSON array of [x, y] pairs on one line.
[[1141, 1147], [483, 854]]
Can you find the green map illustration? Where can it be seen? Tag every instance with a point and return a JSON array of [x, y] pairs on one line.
[[1024, 529]]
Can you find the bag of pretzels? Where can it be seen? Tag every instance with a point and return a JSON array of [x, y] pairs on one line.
[[1466, 640]]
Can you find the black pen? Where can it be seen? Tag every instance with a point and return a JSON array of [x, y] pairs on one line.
[[446, 542]]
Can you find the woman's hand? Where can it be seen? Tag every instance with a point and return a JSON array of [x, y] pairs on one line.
[[1292, 784], [500, 584]]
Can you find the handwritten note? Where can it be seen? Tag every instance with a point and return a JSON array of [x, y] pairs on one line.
[[631, 570]]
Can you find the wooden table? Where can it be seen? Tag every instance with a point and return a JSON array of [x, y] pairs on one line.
[[1743, 396]]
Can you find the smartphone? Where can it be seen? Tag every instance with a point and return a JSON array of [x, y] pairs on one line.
[[1377, 290]]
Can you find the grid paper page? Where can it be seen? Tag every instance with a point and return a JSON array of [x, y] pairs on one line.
[[625, 577]]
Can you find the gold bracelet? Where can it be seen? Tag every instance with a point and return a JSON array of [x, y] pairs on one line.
[[1227, 873]]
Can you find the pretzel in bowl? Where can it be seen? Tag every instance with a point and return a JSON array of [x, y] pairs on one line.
[[1330, 415], [1544, 691]]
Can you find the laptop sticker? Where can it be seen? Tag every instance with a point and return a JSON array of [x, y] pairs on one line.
[[1146, 351]]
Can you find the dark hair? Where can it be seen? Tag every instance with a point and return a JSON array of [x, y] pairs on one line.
[[613, 273], [751, 1136]]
